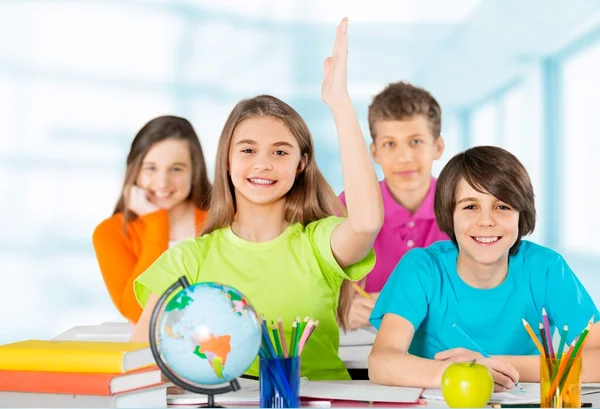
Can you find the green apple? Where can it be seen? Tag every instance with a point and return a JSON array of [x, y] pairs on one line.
[[467, 385]]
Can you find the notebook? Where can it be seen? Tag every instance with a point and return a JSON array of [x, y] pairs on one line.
[[531, 394], [364, 391], [75, 383], [75, 356]]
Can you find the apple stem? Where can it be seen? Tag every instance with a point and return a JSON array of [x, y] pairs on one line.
[[472, 362]]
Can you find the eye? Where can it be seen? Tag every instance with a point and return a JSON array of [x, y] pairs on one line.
[[416, 142], [388, 144], [150, 168], [504, 207], [247, 150], [470, 207], [280, 153], [177, 169]]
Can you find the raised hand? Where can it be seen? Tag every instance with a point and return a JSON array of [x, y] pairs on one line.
[[138, 202], [334, 90]]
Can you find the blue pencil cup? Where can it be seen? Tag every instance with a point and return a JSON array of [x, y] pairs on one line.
[[279, 381]]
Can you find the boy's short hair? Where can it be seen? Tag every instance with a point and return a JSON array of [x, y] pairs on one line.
[[401, 100], [487, 169]]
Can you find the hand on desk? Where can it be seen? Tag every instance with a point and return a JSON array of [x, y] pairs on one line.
[[360, 311], [504, 374]]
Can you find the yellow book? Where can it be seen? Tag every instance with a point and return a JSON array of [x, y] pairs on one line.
[[75, 356]]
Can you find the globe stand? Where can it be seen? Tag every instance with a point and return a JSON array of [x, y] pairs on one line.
[[209, 392]]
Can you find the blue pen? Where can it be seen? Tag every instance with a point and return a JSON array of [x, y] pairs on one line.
[[478, 348]]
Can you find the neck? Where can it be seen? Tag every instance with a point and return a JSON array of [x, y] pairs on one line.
[[259, 223], [411, 200], [481, 276], [180, 211]]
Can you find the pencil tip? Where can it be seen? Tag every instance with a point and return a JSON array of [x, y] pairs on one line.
[[544, 311]]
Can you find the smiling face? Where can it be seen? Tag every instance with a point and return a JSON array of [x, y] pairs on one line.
[[264, 160], [166, 173], [405, 150], [485, 227]]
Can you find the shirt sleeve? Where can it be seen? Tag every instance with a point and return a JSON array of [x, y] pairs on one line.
[[319, 234], [118, 263], [408, 291], [567, 301], [183, 259]]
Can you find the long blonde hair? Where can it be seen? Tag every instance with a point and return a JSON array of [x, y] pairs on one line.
[[310, 198]]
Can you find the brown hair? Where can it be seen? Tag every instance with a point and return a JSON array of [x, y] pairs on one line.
[[158, 130], [400, 101], [310, 198], [488, 169]]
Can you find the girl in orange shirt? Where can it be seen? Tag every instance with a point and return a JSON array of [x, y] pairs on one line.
[[165, 197]]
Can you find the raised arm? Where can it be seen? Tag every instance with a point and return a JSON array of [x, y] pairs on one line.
[[352, 240]]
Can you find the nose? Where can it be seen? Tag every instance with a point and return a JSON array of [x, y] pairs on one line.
[[263, 164], [486, 219], [162, 179], [404, 154]]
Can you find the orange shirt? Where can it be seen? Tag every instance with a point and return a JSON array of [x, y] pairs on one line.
[[122, 258]]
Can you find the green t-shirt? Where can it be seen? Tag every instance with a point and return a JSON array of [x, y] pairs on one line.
[[293, 275]]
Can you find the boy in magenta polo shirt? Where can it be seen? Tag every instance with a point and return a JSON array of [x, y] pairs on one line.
[[405, 124]]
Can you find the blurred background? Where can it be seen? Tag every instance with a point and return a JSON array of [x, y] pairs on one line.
[[79, 79]]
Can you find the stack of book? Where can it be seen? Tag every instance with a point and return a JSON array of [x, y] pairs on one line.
[[87, 374]]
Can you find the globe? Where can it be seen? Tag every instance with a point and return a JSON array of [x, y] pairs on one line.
[[206, 334]]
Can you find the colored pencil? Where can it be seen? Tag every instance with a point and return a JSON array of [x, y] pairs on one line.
[[282, 336], [548, 335], [533, 337], [360, 291]]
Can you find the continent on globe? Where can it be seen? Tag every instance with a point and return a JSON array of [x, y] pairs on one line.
[[180, 301], [237, 301], [215, 350]]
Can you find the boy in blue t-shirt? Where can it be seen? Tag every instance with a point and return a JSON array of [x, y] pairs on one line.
[[483, 282]]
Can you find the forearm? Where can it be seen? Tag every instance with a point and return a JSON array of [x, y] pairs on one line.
[[590, 362], [363, 195], [528, 366], [384, 369]]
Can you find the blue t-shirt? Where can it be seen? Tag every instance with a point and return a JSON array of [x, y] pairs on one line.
[[425, 288]]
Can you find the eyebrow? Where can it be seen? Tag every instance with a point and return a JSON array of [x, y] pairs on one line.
[[251, 142], [414, 135], [176, 163], [467, 199]]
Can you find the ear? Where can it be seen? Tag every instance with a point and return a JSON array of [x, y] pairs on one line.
[[302, 164], [373, 149], [439, 147]]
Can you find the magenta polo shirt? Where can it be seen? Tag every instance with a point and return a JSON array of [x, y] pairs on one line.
[[401, 231]]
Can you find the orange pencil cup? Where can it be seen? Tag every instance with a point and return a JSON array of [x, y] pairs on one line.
[[560, 383]]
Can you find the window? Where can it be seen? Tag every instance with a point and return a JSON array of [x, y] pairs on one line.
[[581, 147]]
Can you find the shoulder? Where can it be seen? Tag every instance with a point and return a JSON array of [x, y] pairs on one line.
[[326, 224], [201, 215], [109, 228], [534, 255], [205, 241]]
